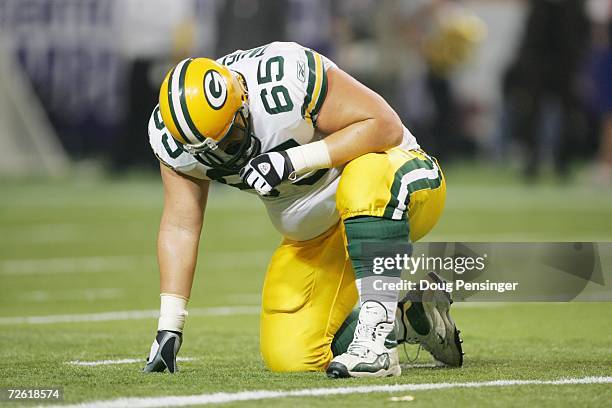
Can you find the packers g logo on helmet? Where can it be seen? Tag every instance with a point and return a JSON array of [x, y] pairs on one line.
[[215, 89], [204, 107]]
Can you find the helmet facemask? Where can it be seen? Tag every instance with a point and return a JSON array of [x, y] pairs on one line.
[[234, 150]]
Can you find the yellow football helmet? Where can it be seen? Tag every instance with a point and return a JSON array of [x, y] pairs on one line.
[[204, 107], [454, 40]]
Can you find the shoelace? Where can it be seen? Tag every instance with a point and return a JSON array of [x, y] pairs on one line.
[[364, 336], [412, 360]]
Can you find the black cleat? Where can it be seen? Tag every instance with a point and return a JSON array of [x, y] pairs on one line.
[[424, 318], [163, 352], [337, 370]]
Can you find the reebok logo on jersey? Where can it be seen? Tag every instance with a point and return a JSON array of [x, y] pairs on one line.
[[264, 168], [301, 71]]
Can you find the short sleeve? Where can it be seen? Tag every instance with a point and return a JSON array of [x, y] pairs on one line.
[[169, 152], [316, 84]]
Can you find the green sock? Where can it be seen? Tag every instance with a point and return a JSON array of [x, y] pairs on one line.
[[368, 238], [344, 335], [371, 241]]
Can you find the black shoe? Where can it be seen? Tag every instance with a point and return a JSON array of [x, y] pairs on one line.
[[163, 353], [424, 318]]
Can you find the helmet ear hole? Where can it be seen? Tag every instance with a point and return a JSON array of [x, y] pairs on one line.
[[242, 85]]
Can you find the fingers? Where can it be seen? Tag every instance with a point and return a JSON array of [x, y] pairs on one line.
[[245, 171], [263, 187], [253, 179]]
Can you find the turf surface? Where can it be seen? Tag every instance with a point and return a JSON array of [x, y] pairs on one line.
[[88, 246]]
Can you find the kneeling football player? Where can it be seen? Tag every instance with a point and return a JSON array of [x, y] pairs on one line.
[[342, 180]]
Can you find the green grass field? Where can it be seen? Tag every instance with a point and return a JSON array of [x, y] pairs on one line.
[[87, 246]]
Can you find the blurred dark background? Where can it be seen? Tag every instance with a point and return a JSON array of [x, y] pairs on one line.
[[525, 84]]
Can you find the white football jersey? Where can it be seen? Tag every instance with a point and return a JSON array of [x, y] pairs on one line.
[[287, 85]]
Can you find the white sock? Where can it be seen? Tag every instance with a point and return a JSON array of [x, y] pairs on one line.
[[172, 312], [388, 298]]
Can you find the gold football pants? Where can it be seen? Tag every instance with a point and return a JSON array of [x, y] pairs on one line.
[[309, 288]]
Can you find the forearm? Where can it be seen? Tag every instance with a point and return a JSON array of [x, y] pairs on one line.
[[177, 251], [177, 244], [356, 120], [358, 139], [344, 145]]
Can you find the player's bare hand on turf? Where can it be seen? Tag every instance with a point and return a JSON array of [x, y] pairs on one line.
[[266, 171]]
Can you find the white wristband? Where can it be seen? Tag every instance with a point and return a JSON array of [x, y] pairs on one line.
[[172, 312], [309, 157]]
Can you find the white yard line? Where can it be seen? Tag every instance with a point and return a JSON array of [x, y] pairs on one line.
[[94, 264], [75, 294], [116, 362], [225, 397], [89, 264], [126, 315], [43, 233]]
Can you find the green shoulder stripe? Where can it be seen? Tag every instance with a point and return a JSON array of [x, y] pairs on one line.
[[312, 79], [322, 96]]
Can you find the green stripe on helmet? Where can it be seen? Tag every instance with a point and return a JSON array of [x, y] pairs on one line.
[[171, 105], [183, 100]]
